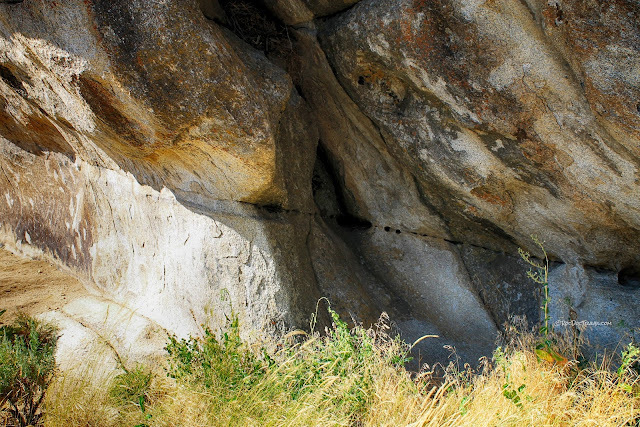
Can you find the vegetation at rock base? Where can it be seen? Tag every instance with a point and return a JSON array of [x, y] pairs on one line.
[[351, 377], [342, 376], [27, 364]]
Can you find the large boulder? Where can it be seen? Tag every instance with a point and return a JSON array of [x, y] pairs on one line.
[[383, 217], [407, 151], [156, 90], [480, 106], [164, 159]]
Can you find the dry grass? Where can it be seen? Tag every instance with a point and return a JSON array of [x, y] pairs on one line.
[[367, 388]]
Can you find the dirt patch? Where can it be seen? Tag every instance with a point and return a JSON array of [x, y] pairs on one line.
[[34, 286]]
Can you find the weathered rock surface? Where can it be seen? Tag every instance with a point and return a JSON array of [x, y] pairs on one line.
[[174, 264], [600, 41], [96, 336], [138, 139], [501, 284], [593, 305], [428, 275], [406, 152], [100, 336], [97, 82], [482, 109], [373, 184]]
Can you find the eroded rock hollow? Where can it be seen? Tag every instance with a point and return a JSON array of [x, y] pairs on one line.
[[184, 157]]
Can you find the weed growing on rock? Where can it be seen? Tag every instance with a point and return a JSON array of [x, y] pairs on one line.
[[539, 273]]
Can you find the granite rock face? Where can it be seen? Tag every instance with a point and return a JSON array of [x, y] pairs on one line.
[[390, 155], [591, 304], [487, 115], [139, 144], [510, 118]]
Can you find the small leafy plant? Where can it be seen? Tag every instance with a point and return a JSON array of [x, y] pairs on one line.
[[514, 394], [630, 356], [224, 363], [131, 387], [27, 365]]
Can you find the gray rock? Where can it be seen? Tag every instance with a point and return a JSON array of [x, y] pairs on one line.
[[173, 166], [502, 284], [476, 103], [595, 304], [429, 277]]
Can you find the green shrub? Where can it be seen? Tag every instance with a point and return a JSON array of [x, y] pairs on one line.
[[334, 373], [226, 364], [132, 389], [27, 364]]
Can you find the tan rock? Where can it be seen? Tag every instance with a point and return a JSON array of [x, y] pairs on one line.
[[137, 140]]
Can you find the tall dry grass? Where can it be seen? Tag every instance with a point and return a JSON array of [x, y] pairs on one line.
[[352, 377]]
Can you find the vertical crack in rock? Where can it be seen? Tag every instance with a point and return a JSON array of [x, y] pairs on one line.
[[330, 193]]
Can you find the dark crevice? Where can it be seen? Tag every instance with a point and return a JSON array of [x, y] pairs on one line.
[[10, 78], [559, 15], [272, 208], [353, 222], [212, 10], [485, 225], [341, 213], [337, 13], [629, 277], [257, 26]]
